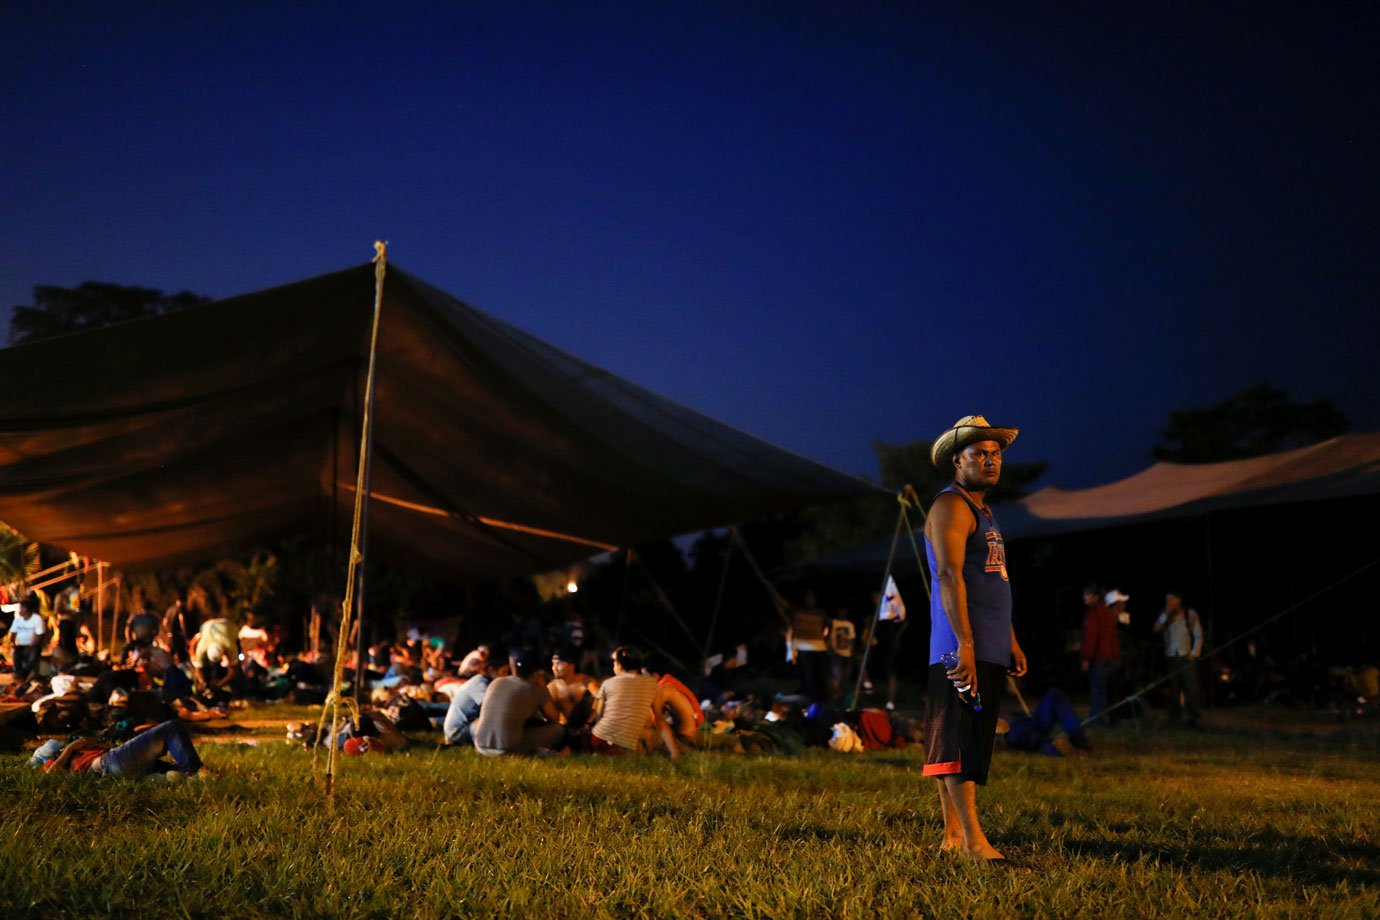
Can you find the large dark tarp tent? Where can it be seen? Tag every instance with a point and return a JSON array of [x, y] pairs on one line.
[[207, 431]]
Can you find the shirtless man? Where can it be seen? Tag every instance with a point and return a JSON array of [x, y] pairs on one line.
[[571, 691]]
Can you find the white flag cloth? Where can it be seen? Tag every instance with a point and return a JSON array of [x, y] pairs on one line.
[[892, 607]]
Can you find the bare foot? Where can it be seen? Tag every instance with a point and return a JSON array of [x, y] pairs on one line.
[[953, 842], [982, 852]]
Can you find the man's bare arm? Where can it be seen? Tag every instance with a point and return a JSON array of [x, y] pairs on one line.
[[1018, 661], [65, 756], [949, 525]]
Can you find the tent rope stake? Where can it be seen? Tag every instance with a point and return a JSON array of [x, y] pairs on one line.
[[333, 701]]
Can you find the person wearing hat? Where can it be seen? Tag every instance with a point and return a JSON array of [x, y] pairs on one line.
[[970, 614], [1101, 652]]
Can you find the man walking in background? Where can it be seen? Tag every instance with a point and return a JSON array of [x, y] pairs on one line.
[[1101, 648], [1183, 645]]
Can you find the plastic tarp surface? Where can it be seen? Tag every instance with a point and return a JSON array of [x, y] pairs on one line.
[[1343, 467], [205, 432]]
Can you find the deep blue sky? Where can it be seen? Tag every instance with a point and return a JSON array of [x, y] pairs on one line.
[[823, 223]]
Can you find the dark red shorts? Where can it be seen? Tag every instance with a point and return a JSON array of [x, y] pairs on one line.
[[958, 741]]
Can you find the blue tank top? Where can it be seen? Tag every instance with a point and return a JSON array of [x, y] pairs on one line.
[[989, 593]]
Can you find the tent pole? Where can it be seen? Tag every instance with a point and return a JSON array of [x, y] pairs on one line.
[[100, 604], [661, 596], [877, 610], [718, 603], [115, 618], [623, 598], [355, 576]]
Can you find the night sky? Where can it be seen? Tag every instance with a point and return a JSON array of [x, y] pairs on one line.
[[825, 224]]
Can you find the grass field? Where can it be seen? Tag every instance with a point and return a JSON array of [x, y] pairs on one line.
[[1251, 820]]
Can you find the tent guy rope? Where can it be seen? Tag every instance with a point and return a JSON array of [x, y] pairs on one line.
[[357, 537], [903, 499]]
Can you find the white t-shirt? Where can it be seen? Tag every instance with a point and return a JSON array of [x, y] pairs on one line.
[[27, 629]]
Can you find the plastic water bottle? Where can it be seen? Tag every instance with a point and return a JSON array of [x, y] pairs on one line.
[[966, 694]]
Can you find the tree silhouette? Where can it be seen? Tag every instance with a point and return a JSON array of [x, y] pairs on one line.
[[92, 304], [1256, 421]]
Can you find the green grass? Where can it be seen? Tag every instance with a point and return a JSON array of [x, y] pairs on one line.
[[1157, 823]]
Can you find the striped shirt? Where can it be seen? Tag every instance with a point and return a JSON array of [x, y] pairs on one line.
[[626, 701]]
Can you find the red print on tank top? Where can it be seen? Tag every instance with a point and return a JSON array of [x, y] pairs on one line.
[[996, 555]]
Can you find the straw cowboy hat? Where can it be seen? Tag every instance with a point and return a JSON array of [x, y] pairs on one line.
[[966, 431]]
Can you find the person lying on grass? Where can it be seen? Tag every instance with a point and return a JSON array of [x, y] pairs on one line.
[[377, 733], [138, 756], [1035, 731]]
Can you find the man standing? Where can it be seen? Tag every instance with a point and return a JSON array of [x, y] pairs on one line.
[[29, 630], [970, 613], [1101, 647], [172, 632], [1183, 643]]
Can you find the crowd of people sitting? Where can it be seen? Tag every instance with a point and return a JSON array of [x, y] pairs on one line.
[[531, 702], [176, 667]]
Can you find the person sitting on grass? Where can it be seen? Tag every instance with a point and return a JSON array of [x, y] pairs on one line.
[[629, 709], [464, 707], [572, 692], [687, 720], [475, 661], [215, 653], [158, 671], [138, 756], [509, 718], [140, 633]]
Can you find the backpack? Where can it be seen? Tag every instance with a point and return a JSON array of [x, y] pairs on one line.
[[875, 729]]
